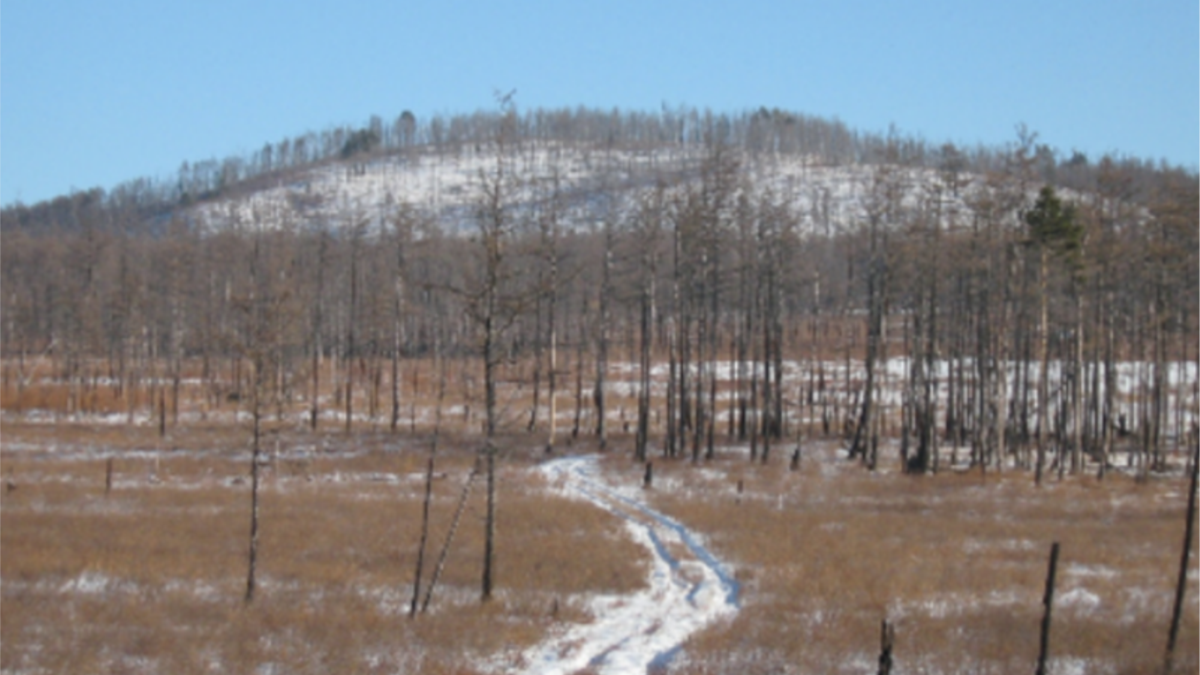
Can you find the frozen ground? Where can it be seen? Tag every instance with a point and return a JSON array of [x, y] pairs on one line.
[[1116, 587], [687, 588], [842, 385]]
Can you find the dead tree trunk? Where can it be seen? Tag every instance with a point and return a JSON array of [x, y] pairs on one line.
[[350, 352], [314, 413], [441, 561], [490, 525], [649, 274], [602, 336], [1181, 583], [437, 430], [1043, 392], [552, 376], [1048, 604], [256, 413], [412, 609], [863, 432]]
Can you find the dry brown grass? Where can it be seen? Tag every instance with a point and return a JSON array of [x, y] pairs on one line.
[[956, 562], [45, 394], [150, 577]]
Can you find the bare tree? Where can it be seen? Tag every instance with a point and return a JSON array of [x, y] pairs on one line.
[[266, 307]]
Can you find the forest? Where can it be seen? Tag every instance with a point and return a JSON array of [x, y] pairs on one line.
[[1012, 284]]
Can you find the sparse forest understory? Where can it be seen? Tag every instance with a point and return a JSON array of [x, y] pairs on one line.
[[812, 310], [821, 400]]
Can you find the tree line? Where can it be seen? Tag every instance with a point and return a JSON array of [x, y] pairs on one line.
[[148, 202], [1014, 292]]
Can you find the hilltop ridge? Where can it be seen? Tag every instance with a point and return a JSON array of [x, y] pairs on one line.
[[430, 163]]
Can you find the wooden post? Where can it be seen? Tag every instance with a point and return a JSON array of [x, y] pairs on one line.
[[1181, 584], [887, 636], [648, 478], [1048, 602]]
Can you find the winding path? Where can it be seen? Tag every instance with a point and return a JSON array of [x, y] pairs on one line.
[[687, 588]]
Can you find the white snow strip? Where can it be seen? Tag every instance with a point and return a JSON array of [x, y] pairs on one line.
[[631, 633]]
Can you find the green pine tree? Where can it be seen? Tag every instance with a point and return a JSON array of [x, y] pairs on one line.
[[1054, 227]]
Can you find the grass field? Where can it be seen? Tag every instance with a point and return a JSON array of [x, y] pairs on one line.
[[149, 574], [150, 577], [956, 562]]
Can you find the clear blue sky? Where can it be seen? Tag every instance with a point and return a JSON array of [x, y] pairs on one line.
[[93, 93]]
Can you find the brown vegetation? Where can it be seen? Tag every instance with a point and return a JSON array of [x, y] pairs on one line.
[[149, 578], [955, 562], [757, 316]]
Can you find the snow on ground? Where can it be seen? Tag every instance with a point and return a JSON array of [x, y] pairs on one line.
[[687, 588], [842, 388], [447, 184]]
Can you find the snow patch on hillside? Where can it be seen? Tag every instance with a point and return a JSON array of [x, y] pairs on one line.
[[446, 185]]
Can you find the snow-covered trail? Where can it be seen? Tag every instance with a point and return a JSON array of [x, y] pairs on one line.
[[687, 588]]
